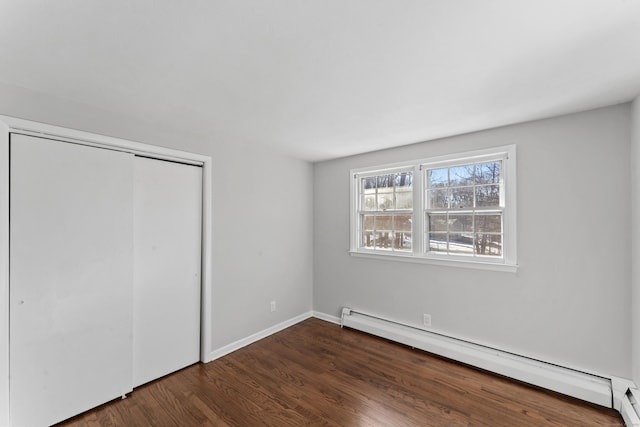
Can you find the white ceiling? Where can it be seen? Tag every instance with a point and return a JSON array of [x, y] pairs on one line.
[[320, 79]]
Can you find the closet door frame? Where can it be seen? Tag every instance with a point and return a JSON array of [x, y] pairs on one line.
[[12, 125]]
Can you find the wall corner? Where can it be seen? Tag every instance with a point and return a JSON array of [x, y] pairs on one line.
[[635, 239]]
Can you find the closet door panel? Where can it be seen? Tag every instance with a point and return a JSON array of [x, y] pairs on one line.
[[167, 284], [71, 274]]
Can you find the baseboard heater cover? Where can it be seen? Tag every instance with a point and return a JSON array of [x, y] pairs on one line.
[[630, 408], [588, 387]]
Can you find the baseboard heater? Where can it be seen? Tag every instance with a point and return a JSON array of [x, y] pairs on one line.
[[585, 386], [630, 408]]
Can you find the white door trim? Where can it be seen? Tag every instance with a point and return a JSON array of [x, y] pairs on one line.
[[9, 125]]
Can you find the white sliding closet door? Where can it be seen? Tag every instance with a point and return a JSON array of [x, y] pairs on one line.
[[71, 272], [167, 248]]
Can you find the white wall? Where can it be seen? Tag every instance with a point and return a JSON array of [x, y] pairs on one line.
[[569, 301], [262, 213], [635, 226]]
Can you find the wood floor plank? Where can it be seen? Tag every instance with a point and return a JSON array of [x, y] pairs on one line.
[[317, 374]]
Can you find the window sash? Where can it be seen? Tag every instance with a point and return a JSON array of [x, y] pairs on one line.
[[386, 231], [474, 187], [466, 238], [379, 228], [459, 193]]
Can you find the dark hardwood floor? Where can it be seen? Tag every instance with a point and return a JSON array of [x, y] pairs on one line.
[[315, 374]]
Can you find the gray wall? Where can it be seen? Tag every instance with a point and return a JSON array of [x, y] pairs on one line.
[[569, 301], [635, 226], [262, 212]]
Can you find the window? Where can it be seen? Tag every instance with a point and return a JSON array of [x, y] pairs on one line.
[[453, 210], [386, 211], [463, 209]]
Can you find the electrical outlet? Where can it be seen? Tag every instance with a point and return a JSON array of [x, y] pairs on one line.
[[273, 306], [426, 320]]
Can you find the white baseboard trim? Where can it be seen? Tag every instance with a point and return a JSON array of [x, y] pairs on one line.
[[230, 348], [584, 386], [326, 317]]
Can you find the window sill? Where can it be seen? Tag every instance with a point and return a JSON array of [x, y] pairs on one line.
[[508, 268]]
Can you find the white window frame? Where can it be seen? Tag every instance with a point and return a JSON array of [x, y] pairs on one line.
[[508, 262]]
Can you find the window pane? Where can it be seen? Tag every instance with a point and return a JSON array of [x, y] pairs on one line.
[[368, 222], [489, 244], [369, 202], [462, 197], [404, 191], [402, 241], [460, 243], [404, 181], [488, 196], [383, 239], [385, 201], [438, 178], [488, 173], [384, 223], [438, 222], [491, 223], [404, 200], [438, 242], [461, 175], [385, 183], [402, 223], [438, 199], [369, 185], [367, 240], [461, 223]]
